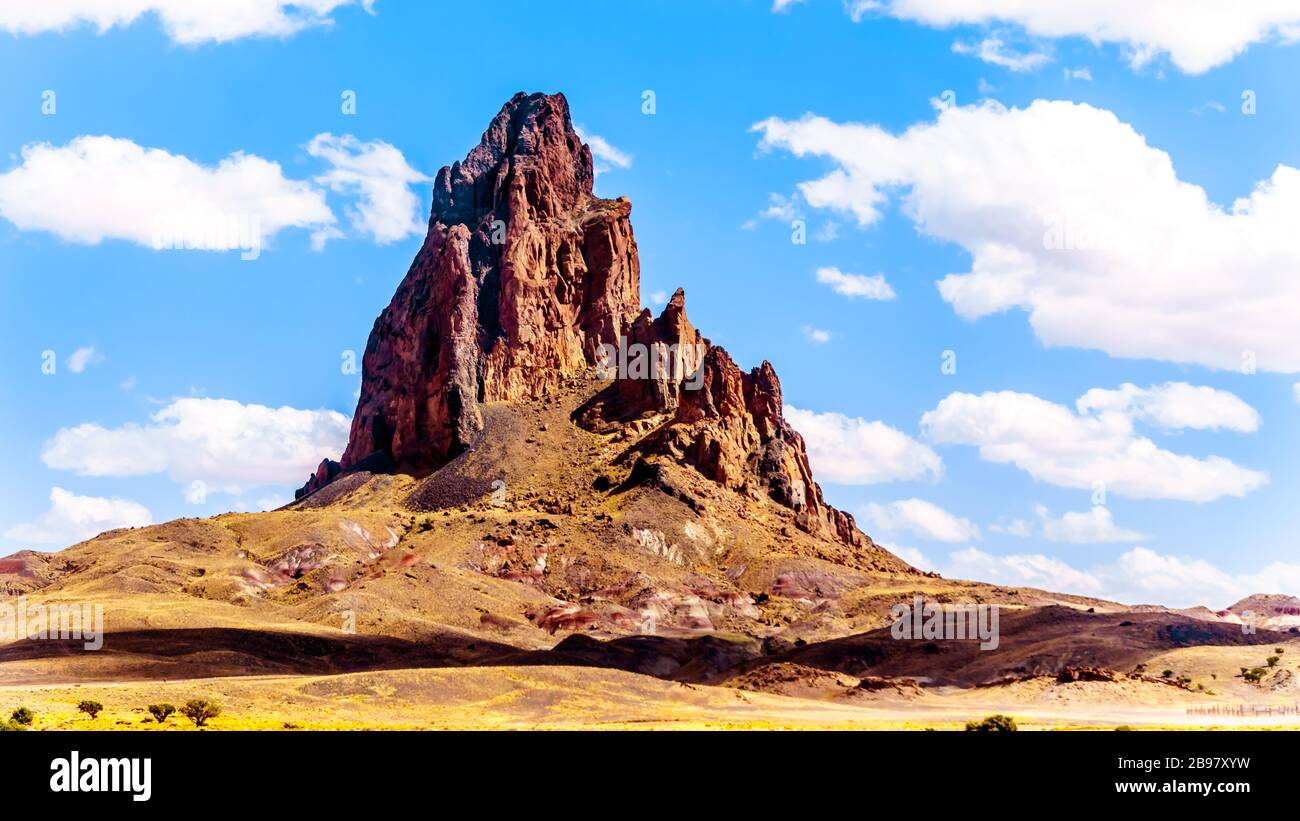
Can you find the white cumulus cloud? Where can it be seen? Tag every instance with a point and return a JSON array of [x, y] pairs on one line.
[[1091, 526], [1197, 35], [1054, 444], [921, 518], [72, 518], [1024, 570], [855, 451], [222, 444], [377, 173], [97, 188], [1174, 406], [1138, 576], [1100, 244], [185, 21]]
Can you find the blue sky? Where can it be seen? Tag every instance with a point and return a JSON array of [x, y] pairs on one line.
[[202, 367]]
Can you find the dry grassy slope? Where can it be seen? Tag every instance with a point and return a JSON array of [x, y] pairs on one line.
[[483, 698], [1042, 642], [452, 569]]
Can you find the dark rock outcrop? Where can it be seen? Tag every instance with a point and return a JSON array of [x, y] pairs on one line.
[[328, 471]]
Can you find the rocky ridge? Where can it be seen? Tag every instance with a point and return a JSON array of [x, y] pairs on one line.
[[526, 280]]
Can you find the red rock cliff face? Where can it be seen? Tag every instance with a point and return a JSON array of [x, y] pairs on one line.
[[722, 421], [523, 277]]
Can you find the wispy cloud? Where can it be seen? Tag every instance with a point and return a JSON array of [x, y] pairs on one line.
[[855, 286], [603, 152], [816, 335], [994, 50], [81, 358]]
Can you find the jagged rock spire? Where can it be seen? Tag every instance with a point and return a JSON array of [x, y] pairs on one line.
[[525, 279]]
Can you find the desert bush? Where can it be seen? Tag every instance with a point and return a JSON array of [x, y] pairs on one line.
[[199, 710], [90, 708], [1272, 661], [161, 712], [22, 716], [992, 724]]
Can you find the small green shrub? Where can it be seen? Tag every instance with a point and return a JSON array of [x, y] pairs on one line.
[[22, 716], [161, 712], [90, 708], [199, 710], [992, 724]]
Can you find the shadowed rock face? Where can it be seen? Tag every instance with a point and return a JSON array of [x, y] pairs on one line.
[[524, 275]]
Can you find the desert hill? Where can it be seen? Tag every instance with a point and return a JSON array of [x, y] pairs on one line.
[[517, 495]]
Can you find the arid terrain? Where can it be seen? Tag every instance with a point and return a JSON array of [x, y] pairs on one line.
[[512, 542]]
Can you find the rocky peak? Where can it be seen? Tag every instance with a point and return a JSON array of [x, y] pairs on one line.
[[530, 149], [522, 275], [525, 280]]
